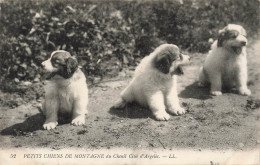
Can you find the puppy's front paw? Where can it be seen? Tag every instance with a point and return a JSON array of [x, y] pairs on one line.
[[244, 91], [80, 120], [177, 111], [50, 125], [162, 116], [216, 93]]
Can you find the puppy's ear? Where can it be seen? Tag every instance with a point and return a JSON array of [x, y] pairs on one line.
[[71, 66], [178, 71], [163, 63], [221, 38]]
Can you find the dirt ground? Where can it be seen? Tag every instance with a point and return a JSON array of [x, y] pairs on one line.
[[230, 121]]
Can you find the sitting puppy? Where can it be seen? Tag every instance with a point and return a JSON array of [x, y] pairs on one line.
[[66, 91], [155, 82], [226, 63]]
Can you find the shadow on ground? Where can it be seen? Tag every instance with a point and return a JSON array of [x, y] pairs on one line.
[[196, 92], [132, 110], [31, 124]]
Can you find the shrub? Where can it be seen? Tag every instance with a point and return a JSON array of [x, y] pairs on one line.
[[106, 36]]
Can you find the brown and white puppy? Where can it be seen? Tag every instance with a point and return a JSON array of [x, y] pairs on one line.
[[155, 82], [66, 90], [226, 64]]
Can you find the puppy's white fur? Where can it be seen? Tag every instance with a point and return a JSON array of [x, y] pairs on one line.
[[150, 87], [225, 67], [65, 96]]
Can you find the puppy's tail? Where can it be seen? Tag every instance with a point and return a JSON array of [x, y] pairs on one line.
[[120, 103], [202, 78], [41, 109]]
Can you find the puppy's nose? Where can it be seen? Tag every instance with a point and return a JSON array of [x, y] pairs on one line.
[[243, 43]]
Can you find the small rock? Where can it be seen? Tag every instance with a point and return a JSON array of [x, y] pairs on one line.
[[161, 125], [210, 40], [258, 141], [122, 74], [56, 132], [26, 83], [36, 79], [104, 89], [241, 145], [16, 80], [96, 80], [151, 144]]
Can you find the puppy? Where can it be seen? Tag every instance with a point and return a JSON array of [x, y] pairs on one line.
[[155, 82], [226, 64], [66, 91]]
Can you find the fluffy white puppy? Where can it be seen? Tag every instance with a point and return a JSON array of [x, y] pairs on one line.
[[66, 91], [155, 82], [226, 63]]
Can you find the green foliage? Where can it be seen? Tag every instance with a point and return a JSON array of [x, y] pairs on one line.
[[106, 36], [190, 25]]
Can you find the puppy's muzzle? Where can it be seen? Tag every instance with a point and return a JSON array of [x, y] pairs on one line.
[[43, 64], [185, 59], [48, 71], [243, 43], [46, 65]]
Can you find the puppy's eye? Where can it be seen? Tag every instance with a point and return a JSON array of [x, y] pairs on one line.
[[55, 62], [233, 34]]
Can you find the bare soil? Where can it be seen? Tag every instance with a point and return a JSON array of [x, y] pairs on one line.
[[230, 121]]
